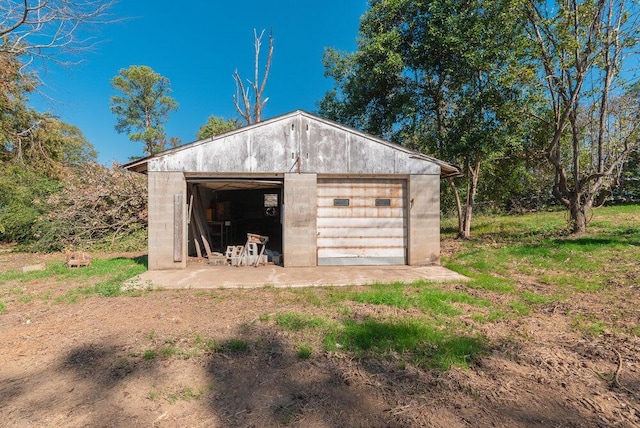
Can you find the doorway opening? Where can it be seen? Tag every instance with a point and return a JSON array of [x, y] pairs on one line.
[[224, 211]]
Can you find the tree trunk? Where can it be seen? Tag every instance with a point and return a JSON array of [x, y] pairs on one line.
[[472, 188], [578, 212], [456, 195]]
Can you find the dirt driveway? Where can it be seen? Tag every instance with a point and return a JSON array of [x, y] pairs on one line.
[[216, 358]]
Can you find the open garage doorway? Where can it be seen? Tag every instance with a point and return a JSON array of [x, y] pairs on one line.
[[225, 210]]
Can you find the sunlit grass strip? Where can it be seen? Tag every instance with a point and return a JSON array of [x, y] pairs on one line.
[[427, 344], [113, 272], [495, 258], [383, 294], [428, 298], [58, 270]]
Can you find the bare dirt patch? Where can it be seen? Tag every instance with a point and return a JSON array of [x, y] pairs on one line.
[[203, 358]]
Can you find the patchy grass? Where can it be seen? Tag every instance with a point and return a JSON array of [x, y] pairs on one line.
[[518, 265], [426, 343], [58, 271], [588, 325], [510, 255], [236, 346], [178, 393], [104, 277], [292, 321], [149, 354], [304, 351]]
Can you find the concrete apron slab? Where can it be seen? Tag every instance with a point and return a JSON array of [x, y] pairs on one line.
[[203, 276]]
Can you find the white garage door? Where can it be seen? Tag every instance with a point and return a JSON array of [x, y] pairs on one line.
[[361, 221]]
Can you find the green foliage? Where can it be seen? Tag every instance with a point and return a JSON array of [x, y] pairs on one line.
[[46, 145], [586, 52], [35, 150], [15, 116], [216, 126], [23, 195], [144, 106], [628, 189], [446, 77]]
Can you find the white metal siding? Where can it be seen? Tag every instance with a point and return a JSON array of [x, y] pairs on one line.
[[361, 233]]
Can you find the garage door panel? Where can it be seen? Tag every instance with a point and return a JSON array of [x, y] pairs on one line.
[[358, 242], [373, 223], [358, 193], [395, 201], [359, 212], [361, 252], [356, 233], [365, 231]]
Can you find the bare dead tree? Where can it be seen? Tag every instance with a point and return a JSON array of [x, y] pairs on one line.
[[37, 28], [241, 99]]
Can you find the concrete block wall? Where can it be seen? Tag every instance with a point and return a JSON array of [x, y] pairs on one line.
[[162, 188], [299, 226], [423, 220]]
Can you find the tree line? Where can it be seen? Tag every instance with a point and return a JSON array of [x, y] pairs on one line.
[[537, 102], [538, 98], [53, 193]]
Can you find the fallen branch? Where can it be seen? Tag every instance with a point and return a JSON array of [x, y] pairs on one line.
[[616, 376]]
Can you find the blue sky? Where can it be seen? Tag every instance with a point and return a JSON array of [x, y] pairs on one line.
[[198, 45]]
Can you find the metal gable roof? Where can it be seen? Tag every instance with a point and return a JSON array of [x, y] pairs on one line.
[[294, 142]]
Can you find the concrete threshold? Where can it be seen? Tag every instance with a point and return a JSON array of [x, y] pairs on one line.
[[203, 276]]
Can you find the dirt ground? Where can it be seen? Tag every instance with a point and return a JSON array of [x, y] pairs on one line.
[[150, 360]]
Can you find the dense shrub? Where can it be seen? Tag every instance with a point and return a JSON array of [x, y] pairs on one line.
[[96, 205], [23, 195]]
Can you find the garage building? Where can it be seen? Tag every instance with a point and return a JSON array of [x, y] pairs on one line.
[[324, 194]]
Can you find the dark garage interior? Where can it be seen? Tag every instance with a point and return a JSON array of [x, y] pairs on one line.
[[231, 209]]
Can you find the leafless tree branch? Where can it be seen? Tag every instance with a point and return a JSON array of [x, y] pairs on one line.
[[249, 114], [39, 28]]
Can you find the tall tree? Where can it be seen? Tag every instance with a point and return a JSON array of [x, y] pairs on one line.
[[215, 126], [144, 106], [28, 138], [442, 76], [586, 51], [15, 116], [250, 111]]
